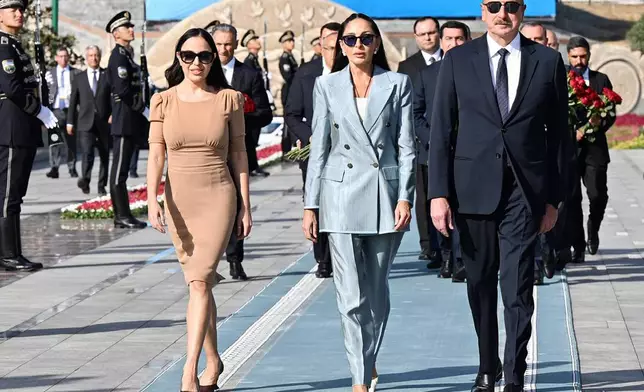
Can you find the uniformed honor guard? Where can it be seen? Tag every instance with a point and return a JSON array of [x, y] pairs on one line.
[[129, 115], [250, 41], [210, 27], [288, 67], [317, 48], [21, 118]]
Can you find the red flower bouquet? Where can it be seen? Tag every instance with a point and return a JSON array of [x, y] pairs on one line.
[[249, 104], [588, 108]]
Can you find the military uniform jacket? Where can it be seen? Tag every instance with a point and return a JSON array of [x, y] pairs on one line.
[[19, 103], [288, 67], [124, 76], [253, 62]]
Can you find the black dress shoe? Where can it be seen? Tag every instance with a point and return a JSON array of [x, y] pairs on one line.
[[435, 260], [52, 173], [593, 238], [261, 172], [424, 255], [512, 388], [485, 382], [578, 256], [83, 184], [102, 191], [446, 266], [562, 258], [538, 277], [237, 271], [129, 222], [459, 275], [324, 270], [19, 264], [73, 173], [134, 175]]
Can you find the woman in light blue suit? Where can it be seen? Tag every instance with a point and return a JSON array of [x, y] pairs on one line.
[[361, 178]]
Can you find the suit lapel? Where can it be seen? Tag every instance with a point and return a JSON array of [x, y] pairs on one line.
[[237, 76], [528, 66], [381, 88], [481, 63], [348, 103]]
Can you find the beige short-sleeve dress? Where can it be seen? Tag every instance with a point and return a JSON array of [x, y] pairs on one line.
[[200, 196]]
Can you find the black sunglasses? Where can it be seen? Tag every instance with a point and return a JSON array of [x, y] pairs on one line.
[[188, 56], [352, 40], [511, 7]]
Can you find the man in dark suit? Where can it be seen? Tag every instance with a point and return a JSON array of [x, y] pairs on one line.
[[427, 33], [298, 115], [507, 97], [59, 81], [88, 115], [248, 81], [452, 34], [593, 158]]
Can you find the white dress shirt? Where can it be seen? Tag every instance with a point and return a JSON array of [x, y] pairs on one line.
[[90, 76], [228, 71], [63, 79], [512, 61], [586, 76], [427, 56]]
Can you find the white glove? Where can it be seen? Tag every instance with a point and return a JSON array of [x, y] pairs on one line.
[[269, 75], [146, 113], [47, 117]]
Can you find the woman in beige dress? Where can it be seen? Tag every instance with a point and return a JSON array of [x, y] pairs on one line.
[[199, 121]]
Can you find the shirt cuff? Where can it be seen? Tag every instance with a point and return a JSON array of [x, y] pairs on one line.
[[70, 125], [311, 207]]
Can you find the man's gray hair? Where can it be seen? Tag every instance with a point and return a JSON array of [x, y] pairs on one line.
[[226, 28], [94, 47], [533, 24]]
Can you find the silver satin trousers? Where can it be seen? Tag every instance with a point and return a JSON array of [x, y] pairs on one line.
[[361, 265]]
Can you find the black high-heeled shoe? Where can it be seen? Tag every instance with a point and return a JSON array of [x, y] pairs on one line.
[[211, 388]]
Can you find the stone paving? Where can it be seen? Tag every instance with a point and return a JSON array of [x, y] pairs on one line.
[[108, 314], [608, 291]]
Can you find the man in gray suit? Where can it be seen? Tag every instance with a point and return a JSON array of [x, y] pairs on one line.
[[59, 79]]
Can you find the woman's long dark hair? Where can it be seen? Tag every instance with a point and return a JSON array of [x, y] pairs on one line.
[[215, 78], [379, 58]]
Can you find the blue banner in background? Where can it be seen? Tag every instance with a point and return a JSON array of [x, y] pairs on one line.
[[161, 10]]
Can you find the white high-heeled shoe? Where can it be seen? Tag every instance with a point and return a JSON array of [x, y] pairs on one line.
[[374, 382]]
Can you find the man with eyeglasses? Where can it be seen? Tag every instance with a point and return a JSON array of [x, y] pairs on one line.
[[129, 116], [500, 173], [298, 115], [427, 33], [248, 81], [452, 34]]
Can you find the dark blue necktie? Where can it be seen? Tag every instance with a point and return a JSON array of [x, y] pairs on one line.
[[501, 89]]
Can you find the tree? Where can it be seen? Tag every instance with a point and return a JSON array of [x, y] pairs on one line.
[[636, 35], [51, 42]]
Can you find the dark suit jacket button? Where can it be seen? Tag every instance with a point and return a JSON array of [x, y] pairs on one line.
[[387, 125], [374, 165], [504, 130], [350, 165], [347, 147], [381, 146], [498, 156], [336, 125]]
